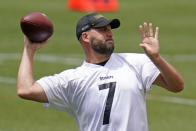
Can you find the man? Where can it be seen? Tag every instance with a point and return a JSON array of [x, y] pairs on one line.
[[107, 92]]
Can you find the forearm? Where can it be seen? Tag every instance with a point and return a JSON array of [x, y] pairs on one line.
[[27, 88], [25, 72], [171, 78]]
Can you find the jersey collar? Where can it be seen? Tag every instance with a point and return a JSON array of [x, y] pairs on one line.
[[85, 63]]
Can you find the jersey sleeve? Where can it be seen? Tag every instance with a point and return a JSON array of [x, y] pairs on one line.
[[149, 72], [56, 89]]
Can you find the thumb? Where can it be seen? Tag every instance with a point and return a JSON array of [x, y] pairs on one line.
[[143, 45]]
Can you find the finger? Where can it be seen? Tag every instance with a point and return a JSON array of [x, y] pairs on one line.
[[141, 32], [157, 33], [143, 46], [26, 40], [146, 29], [150, 30]]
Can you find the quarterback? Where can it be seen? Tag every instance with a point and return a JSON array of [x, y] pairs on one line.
[[108, 91]]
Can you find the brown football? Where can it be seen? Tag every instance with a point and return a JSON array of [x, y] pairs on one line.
[[36, 26]]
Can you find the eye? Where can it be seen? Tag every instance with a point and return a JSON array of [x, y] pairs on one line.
[[103, 29]]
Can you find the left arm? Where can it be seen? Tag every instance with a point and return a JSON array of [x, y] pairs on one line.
[[169, 78]]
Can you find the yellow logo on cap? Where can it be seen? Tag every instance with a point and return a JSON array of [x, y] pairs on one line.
[[98, 16]]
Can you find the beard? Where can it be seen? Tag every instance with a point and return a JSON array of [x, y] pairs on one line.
[[102, 47]]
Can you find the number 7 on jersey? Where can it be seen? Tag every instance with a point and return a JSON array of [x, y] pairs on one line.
[[109, 101]]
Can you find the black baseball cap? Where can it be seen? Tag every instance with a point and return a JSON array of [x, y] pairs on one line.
[[94, 20]]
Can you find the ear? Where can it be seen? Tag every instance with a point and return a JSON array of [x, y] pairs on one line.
[[85, 37]]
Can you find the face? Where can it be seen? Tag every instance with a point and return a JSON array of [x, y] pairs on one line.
[[101, 40]]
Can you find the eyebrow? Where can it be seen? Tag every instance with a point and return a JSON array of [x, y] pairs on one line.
[[105, 27]]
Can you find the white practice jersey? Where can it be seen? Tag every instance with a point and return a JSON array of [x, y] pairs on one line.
[[104, 98]]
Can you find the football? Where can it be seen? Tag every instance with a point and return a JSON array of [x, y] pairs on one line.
[[36, 26]]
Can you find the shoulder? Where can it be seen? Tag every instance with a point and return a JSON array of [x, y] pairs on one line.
[[135, 61], [79, 73], [131, 55], [73, 74], [134, 58]]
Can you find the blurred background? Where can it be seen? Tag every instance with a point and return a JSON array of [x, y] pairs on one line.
[[166, 111]]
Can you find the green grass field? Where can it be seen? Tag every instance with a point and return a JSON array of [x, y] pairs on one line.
[[177, 23]]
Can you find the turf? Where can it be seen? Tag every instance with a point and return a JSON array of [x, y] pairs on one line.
[[176, 20]]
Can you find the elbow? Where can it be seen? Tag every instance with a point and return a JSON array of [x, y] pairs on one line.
[[179, 88], [22, 93], [21, 90]]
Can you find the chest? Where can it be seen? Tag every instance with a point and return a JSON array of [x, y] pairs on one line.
[[109, 84], [124, 77], [102, 95]]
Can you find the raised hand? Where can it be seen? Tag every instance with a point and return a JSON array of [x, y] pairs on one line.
[[150, 42]]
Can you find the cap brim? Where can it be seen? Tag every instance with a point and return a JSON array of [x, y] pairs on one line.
[[114, 23]]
